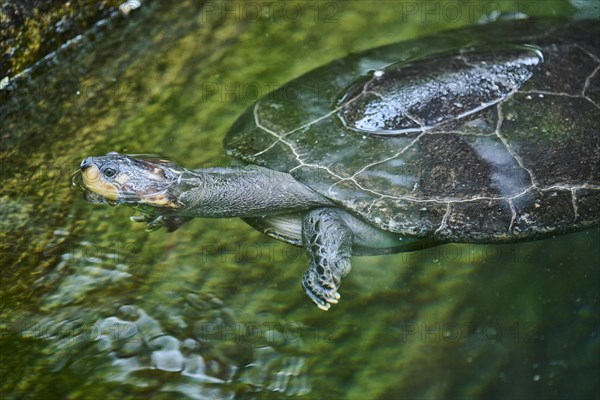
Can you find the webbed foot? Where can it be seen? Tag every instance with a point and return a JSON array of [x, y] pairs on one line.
[[319, 291], [328, 243]]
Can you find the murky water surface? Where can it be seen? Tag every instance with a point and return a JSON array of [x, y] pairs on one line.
[[95, 307]]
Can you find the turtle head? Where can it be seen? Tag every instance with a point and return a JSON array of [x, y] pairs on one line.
[[117, 178]]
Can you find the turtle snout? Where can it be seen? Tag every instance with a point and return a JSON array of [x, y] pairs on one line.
[[86, 163]]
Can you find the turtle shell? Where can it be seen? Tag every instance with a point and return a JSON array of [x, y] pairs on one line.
[[484, 134]]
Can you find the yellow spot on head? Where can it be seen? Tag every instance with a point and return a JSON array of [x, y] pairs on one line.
[[158, 201], [93, 180]]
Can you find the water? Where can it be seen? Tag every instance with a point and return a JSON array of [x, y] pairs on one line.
[[95, 307]]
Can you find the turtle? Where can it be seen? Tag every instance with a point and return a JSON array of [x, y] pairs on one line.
[[485, 134]]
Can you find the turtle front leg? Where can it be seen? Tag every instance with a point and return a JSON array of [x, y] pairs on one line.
[[155, 222], [328, 243]]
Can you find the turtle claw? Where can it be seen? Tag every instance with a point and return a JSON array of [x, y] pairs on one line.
[[321, 302], [138, 218], [321, 295], [154, 221], [155, 224]]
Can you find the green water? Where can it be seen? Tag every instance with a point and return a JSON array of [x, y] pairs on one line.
[[95, 307]]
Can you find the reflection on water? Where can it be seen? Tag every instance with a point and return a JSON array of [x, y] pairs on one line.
[[201, 351], [138, 345], [95, 307]]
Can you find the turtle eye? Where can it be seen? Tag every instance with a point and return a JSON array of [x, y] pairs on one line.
[[109, 172]]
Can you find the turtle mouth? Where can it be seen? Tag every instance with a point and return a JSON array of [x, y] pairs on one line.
[[94, 198]]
